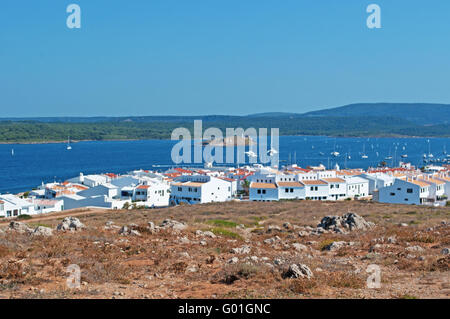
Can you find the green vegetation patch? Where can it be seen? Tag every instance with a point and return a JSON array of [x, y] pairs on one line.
[[222, 223], [225, 232]]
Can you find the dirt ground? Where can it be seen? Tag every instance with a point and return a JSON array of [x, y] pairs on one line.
[[169, 263]]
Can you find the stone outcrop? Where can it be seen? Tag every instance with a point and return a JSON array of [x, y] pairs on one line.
[[70, 224], [344, 223], [172, 224], [298, 271], [43, 231], [19, 227]]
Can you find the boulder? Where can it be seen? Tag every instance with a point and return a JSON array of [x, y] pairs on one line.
[[43, 231], [233, 260], [303, 233], [287, 226], [128, 231], [273, 240], [445, 251], [273, 228], [70, 223], [340, 224], [205, 234], [245, 249], [337, 245], [172, 224], [414, 248], [299, 247], [19, 227], [298, 271]]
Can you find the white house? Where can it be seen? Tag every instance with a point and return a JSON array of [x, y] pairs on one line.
[[405, 192], [315, 189], [263, 192], [44, 206], [102, 201], [357, 187], [199, 189], [12, 206], [337, 188], [291, 190], [436, 190], [90, 180], [152, 195], [378, 180]]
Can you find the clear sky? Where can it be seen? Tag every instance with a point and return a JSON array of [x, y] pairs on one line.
[[190, 57]]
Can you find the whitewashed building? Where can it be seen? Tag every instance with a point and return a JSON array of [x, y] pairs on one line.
[[409, 191], [263, 192], [357, 187], [199, 189], [337, 188], [13, 206]]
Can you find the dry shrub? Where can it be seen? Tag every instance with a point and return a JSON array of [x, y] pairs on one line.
[[110, 271], [342, 280], [303, 285], [235, 272], [179, 267], [4, 251], [442, 264]]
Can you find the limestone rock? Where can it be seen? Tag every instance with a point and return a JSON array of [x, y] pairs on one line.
[[298, 271], [43, 231], [71, 224], [20, 227]]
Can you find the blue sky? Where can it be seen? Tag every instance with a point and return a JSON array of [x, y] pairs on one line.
[[166, 57]]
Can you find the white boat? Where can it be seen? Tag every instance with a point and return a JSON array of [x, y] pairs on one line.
[[251, 154], [364, 155], [12, 152], [335, 154], [404, 156], [68, 144]]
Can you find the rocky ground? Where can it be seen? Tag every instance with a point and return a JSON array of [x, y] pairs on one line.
[[289, 249]]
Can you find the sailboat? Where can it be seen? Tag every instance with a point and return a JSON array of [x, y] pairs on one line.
[[12, 152], [389, 157], [429, 150], [335, 153], [364, 156], [68, 144]]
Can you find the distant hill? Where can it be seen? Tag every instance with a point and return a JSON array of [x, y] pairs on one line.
[[419, 113], [365, 119]]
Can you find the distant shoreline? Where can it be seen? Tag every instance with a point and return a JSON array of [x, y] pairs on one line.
[[219, 144]]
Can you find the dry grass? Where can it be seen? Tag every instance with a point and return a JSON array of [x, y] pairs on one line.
[[156, 264]]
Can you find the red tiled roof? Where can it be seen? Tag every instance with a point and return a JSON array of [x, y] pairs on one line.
[[182, 170]]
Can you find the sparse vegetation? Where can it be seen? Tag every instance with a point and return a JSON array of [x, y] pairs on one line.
[[186, 264]]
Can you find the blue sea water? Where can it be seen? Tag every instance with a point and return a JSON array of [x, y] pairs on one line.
[[33, 164]]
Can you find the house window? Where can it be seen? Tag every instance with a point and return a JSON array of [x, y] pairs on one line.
[[392, 194], [409, 190], [264, 191], [316, 188], [292, 190], [312, 188], [259, 191], [286, 190]]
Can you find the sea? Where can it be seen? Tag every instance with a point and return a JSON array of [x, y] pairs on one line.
[[26, 166]]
